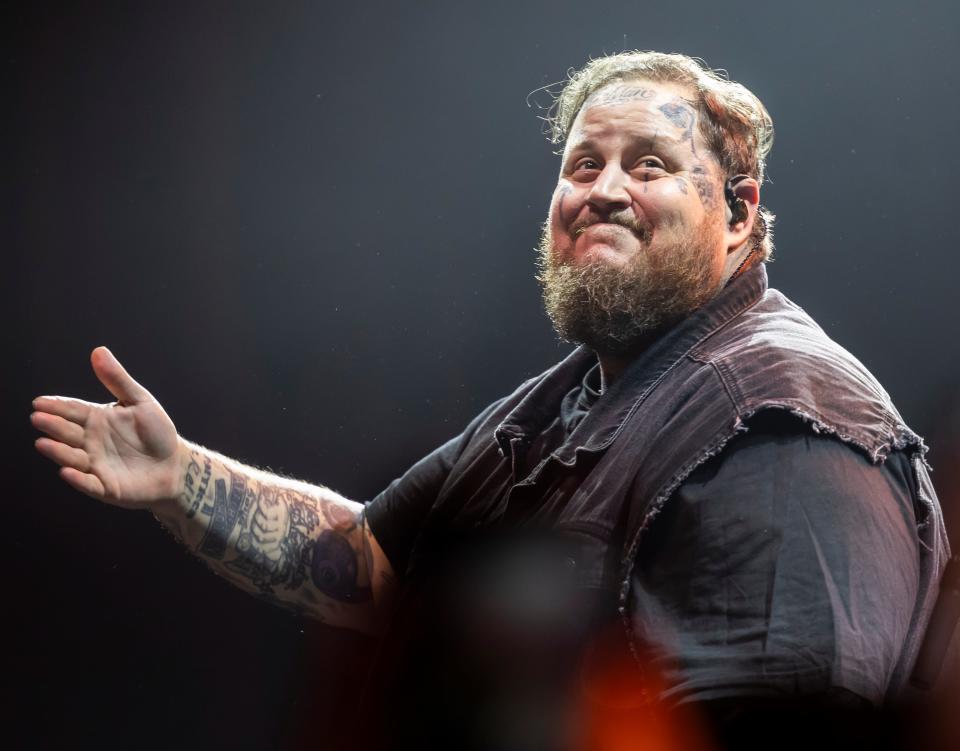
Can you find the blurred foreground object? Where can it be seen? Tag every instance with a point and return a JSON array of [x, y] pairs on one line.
[[943, 624]]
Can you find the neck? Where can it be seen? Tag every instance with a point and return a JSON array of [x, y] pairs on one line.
[[737, 263], [613, 365]]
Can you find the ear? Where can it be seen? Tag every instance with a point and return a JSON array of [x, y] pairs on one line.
[[743, 194]]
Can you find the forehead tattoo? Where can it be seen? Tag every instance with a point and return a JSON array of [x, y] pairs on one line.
[[680, 113], [683, 117], [618, 94]]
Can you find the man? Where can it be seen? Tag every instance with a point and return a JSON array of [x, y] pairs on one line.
[[708, 496]]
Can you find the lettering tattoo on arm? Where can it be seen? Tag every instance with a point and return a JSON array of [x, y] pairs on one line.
[[224, 512], [195, 483], [199, 492]]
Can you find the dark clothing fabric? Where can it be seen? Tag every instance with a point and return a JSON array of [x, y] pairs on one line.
[[788, 562], [744, 501]]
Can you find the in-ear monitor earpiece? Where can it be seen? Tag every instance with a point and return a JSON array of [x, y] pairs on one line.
[[738, 207]]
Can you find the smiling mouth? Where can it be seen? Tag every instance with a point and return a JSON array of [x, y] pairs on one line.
[[580, 230], [641, 233]]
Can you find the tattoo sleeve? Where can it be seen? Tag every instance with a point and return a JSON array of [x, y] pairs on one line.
[[301, 546]]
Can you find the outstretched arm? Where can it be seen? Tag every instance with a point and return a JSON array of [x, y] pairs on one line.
[[299, 545], [303, 546]]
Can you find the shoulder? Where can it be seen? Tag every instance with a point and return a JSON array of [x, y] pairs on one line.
[[776, 355], [779, 449], [807, 500], [779, 482], [778, 334], [798, 549]]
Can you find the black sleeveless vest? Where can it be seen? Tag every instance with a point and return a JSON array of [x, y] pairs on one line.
[[749, 349]]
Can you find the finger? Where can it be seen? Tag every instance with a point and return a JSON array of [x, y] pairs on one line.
[[85, 483], [65, 456], [113, 375], [59, 429], [74, 410]]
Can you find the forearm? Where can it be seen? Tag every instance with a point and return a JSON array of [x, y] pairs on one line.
[[302, 546]]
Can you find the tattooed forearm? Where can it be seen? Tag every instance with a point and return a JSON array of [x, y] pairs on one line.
[[297, 545], [202, 489], [334, 567], [275, 543], [224, 514], [339, 517], [195, 483]]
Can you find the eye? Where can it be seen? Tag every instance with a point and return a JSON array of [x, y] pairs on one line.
[[585, 164], [650, 162]]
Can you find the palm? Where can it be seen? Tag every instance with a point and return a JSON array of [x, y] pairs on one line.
[[123, 453], [130, 448]]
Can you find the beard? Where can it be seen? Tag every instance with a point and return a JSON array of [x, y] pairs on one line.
[[615, 308]]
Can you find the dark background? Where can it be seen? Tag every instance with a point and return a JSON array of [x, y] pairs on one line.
[[308, 229]]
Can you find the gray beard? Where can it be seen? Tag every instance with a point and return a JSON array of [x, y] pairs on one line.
[[614, 310]]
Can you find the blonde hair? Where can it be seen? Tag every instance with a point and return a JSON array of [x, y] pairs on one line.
[[735, 124]]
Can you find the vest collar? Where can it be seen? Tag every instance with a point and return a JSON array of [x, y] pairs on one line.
[[606, 418]]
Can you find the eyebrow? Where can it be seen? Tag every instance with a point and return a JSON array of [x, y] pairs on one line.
[[661, 137]]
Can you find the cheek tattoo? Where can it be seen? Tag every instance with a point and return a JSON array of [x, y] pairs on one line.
[[567, 213], [701, 180]]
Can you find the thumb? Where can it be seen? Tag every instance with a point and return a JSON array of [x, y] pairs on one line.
[[113, 375]]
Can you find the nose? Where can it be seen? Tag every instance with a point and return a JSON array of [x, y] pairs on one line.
[[609, 191]]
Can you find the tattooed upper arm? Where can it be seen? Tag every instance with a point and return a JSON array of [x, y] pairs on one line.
[[383, 580]]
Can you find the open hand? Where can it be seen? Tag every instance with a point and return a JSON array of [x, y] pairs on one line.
[[126, 453]]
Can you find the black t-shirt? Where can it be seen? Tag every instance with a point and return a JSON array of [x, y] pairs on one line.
[[396, 515], [771, 570]]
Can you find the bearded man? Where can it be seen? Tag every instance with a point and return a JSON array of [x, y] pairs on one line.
[[707, 503]]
